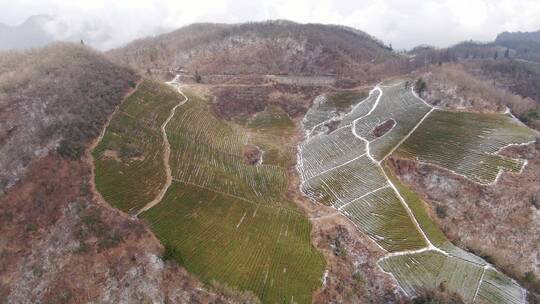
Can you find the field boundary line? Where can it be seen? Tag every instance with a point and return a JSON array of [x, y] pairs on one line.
[[429, 245], [234, 196], [363, 195], [335, 167], [479, 283], [408, 134]]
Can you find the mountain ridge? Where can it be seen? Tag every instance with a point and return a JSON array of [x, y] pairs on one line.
[[270, 47]]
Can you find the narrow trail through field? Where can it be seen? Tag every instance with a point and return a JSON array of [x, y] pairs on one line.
[[429, 246], [167, 151]]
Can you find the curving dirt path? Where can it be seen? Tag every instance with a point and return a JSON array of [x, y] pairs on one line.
[[167, 152], [89, 158]]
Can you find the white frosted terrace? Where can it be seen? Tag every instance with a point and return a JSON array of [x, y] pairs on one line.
[[344, 169]]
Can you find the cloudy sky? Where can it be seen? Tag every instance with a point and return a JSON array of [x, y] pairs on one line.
[[110, 23]]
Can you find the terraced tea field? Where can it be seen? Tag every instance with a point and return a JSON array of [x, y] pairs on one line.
[[248, 245], [207, 152], [129, 165], [467, 143], [327, 108], [345, 169], [224, 219], [397, 104]]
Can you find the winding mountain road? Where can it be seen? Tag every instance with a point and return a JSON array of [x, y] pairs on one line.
[[167, 151]]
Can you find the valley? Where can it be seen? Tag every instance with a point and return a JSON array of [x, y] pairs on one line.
[[231, 221], [270, 162]]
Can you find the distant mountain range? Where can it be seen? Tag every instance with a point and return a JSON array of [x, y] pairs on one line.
[[518, 36], [31, 33]]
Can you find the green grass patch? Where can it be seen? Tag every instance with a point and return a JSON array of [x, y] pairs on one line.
[[208, 152], [273, 118], [271, 130], [418, 208], [382, 216], [498, 289], [430, 228], [343, 101], [429, 270]]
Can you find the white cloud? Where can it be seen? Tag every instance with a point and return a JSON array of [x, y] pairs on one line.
[[107, 24]]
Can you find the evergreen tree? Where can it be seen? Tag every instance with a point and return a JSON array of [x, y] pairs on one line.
[[507, 53], [198, 77]]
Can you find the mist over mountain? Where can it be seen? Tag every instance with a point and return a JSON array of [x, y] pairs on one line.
[[31, 33], [518, 36], [40, 30]]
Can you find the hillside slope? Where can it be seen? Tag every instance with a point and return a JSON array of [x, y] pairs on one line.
[[526, 44], [59, 241], [272, 47], [57, 96]]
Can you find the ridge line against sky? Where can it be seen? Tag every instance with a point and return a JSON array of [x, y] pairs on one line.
[[404, 24]]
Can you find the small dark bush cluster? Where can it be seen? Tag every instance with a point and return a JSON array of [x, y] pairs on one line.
[[130, 151], [69, 149], [170, 253], [535, 201], [532, 283], [440, 295], [441, 211], [530, 116], [420, 86], [93, 225], [338, 248]]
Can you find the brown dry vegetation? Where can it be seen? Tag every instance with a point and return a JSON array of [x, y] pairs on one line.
[[252, 154], [452, 86], [498, 222], [61, 244], [59, 241], [55, 97], [233, 101], [272, 47]]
